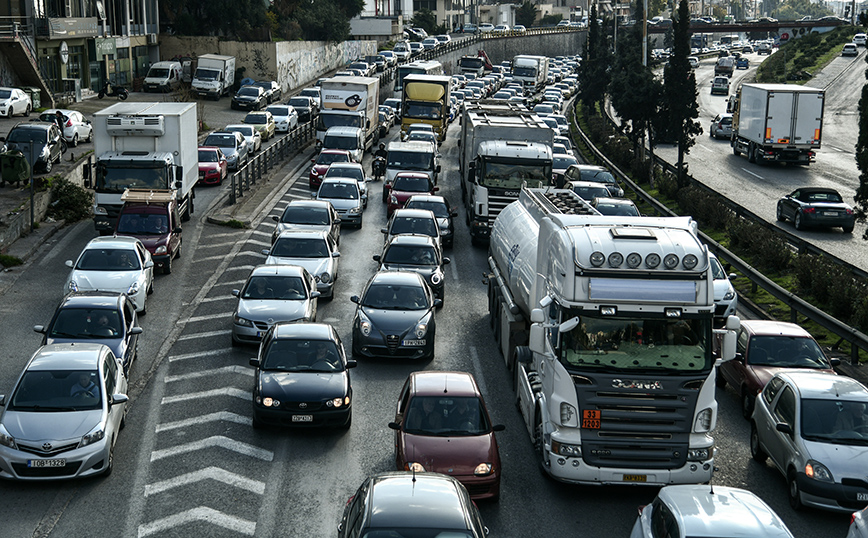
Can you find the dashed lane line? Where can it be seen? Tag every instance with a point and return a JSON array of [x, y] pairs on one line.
[[236, 369], [751, 173], [211, 442], [224, 416], [206, 334], [200, 513], [210, 473]]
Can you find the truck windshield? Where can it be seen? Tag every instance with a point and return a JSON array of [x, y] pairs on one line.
[[117, 177], [207, 74], [637, 344], [417, 109], [518, 71], [325, 120], [512, 174], [340, 142], [410, 160], [472, 63]]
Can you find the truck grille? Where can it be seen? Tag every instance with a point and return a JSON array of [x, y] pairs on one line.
[[496, 204], [639, 428]]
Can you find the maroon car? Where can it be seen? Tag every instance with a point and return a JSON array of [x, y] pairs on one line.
[[442, 426], [763, 349], [322, 162], [405, 185], [153, 218], [212, 165]]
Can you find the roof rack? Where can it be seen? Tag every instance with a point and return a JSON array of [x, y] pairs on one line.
[[148, 196]]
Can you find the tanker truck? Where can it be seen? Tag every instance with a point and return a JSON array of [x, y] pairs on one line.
[[606, 325]]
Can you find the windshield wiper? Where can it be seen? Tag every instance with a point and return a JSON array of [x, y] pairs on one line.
[[39, 408]]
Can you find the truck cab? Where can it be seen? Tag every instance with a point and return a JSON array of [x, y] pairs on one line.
[[152, 217], [410, 157]]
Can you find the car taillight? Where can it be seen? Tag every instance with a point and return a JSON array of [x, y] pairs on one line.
[[810, 210], [69, 123]]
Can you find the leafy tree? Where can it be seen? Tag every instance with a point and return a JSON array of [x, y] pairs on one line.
[[550, 20], [425, 19], [526, 14], [656, 7], [862, 158], [594, 73], [680, 90]]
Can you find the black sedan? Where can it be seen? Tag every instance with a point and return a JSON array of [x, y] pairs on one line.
[[418, 253], [443, 212], [395, 317], [271, 88], [302, 377], [816, 206], [249, 98], [305, 106], [95, 317]]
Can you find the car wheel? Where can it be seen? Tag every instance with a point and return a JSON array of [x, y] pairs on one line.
[[735, 150], [747, 403], [847, 229], [794, 495], [797, 221], [111, 462], [167, 267], [89, 136], [720, 381], [74, 142], [27, 110], [780, 214], [751, 156], [756, 451], [346, 425], [49, 164]]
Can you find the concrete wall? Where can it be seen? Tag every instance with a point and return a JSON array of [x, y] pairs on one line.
[[498, 50], [290, 63]]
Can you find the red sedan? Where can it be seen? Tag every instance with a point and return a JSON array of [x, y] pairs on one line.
[[212, 165], [405, 185], [322, 162], [442, 426]]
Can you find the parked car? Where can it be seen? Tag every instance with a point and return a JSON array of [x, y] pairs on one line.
[[417, 253], [285, 117], [263, 122], [302, 378], [96, 317], [271, 89], [308, 215], [701, 510], [233, 145], [249, 98], [314, 250], [443, 212], [14, 101], [519, 29], [64, 415], [76, 128], [42, 138], [441, 507], [814, 428], [721, 126], [252, 136], [272, 294], [118, 264], [764, 348], [501, 29], [486, 28], [442, 426], [816, 207]]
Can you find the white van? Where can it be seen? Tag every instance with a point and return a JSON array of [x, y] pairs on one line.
[[163, 77], [351, 139], [411, 157]]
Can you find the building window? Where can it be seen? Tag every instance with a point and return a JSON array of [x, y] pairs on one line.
[[425, 4]]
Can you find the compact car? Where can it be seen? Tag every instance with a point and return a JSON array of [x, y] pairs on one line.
[[263, 122], [285, 117], [346, 197], [314, 250], [304, 106], [352, 171], [308, 215], [271, 89], [76, 128], [252, 136], [233, 145], [43, 139], [14, 101], [615, 206], [249, 98], [443, 212], [721, 126], [412, 222], [596, 174], [418, 253], [816, 207], [213, 166], [405, 185], [321, 164]]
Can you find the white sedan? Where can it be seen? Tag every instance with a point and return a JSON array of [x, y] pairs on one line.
[[285, 117], [14, 101], [117, 264], [76, 128]]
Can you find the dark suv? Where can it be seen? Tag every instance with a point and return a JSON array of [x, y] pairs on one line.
[[47, 143]]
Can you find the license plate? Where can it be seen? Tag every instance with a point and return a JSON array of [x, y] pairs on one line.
[[830, 213], [862, 496], [591, 419], [258, 334], [302, 418], [46, 463], [635, 478], [413, 343]]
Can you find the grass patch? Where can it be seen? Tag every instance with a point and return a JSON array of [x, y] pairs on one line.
[[233, 223], [9, 261]]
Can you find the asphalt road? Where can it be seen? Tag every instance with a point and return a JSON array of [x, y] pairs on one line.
[[189, 462]]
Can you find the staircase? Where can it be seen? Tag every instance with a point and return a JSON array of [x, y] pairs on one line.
[[16, 44]]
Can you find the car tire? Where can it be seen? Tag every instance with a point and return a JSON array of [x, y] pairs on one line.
[[756, 451], [794, 495], [257, 424], [779, 214], [48, 165], [797, 221], [89, 136], [27, 110], [847, 229], [74, 142], [747, 403], [346, 425], [751, 156], [167, 267], [110, 464], [735, 150]]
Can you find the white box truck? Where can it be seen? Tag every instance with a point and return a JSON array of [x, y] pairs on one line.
[[144, 146], [777, 123], [350, 102], [531, 71], [503, 148], [214, 76]]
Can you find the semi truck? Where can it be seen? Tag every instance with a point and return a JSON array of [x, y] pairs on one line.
[[144, 146], [606, 325], [777, 122], [503, 147], [531, 71], [350, 102], [214, 76], [474, 65], [426, 99]]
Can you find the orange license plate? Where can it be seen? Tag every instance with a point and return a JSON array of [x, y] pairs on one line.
[[591, 419]]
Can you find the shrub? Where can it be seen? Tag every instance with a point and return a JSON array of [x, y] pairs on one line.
[[69, 202], [9, 261], [705, 207]]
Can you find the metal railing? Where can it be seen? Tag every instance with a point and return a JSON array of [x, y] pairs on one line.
[[284, 149], [844, 332]]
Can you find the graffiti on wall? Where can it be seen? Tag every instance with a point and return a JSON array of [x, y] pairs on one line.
[[7, 74]]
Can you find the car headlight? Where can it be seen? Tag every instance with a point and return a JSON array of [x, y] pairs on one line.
[[421, 330], [242, 321], [703, 421], [436, 278], [816, 470], [134, 288], [563, 449], [338, 402], [161, 250], [414, 466], [700, 454], [99, 210], [267, 402], [569, 417], [365, 328], [6, 439], [729, 295], [72, 286], [94, 435], [393, 199], [355, 210], [325, 278], [483, 469]]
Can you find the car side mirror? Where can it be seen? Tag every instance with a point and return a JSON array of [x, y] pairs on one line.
[[395, 426], [438, 303], [446, 261], [376, 257], [783, 427], [355, 299], [315, 294], [384, 230], [453, 213], [275, 218], [265, 251], [435, 189], [498, 428], [39, 328], [2, 400], [236, 293], [337, 221], [149, 264], [118, 399], [835, 362], [255, 362], [136, 330], [177, 230], [68, 263], [437, 169], [352, 363]]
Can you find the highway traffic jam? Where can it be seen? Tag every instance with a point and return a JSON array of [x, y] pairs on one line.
[[614, 329]]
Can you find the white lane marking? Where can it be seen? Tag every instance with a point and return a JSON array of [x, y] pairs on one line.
[[211, 442], [206, 334], [751, 173], [231, 282], [210, 473], [224, 416], [223, 256], [299, 196], [842, 178], [477, 370], [239, 267], [454, 269], [215, 245], [227, 234], [200, 513], [195, 355], [260, 232], [236, 369], [331, 320], [223, 391], [218, 298]]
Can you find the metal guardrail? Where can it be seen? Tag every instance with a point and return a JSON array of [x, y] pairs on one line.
[[844, 332], [285, 148]]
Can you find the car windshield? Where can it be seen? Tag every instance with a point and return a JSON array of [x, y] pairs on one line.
[[828, 197], [612, 208], [299, 102], [300, 247], [86, 323], [340, 142], [786, 352], [440, 416], [410, 160], [5, 94], [410, 255], [25, 136], [835, 421], [305, 215], [246, 131], [329, 158], [589, 193], [158, 72], [338, 191], [278, 111], [297, 355], [51, 391], [598, 176], [309, 92], [264, 85], [438, 208], [421, 136], [346, 171], [562, 163], [143, 224], [220, 140], [717, 270], [284, 288], [251, 91], [256, 119], [411, 184], [413, 225], [108, 259], [397, 297], [206, 156]]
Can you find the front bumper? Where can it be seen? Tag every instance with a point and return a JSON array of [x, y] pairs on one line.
[[80, 462], [324, 417], [377, 344], [350, 218], [835, 497]]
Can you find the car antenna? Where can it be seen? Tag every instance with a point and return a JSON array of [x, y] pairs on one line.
[[445, 383], [711, 481]]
